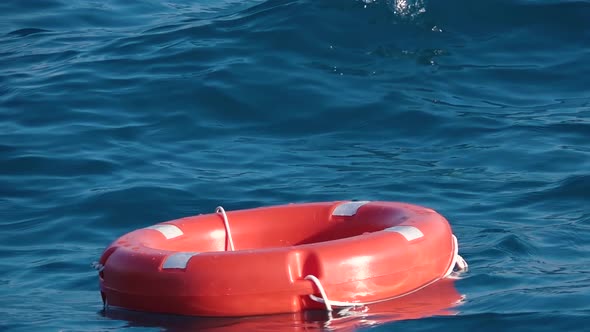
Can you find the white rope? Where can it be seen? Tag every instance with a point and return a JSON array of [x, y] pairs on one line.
[[97, 266], [462, 265], [458, 262], [361, 304], [227, 229], [319, 286]]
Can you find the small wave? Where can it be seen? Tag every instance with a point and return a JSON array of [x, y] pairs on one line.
[[572, 190], [26, 32]]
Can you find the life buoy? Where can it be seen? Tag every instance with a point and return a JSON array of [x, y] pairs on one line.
[[279, 259]]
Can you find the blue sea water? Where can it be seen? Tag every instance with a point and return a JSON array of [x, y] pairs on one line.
[[116, 115]]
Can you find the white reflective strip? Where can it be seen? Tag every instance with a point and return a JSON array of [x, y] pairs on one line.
[[348, 209], [169, 231], [409, 232], [178, 260]]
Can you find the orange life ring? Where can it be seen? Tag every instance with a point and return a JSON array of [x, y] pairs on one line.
[[287, 258]]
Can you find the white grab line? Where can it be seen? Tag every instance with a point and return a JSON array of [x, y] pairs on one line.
[[458, 262], [360, 304], [227, 229], [462, 265], [318, 284], [97, 266]]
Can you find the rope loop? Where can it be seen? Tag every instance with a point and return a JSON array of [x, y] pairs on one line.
[[230, 241], [319, 286], [458, 264], [461, 264], [97, 266]]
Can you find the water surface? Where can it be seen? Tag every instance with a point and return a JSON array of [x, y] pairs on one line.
[[116, 116]]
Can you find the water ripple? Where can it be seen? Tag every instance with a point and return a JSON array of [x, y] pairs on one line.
[[116, 116]]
